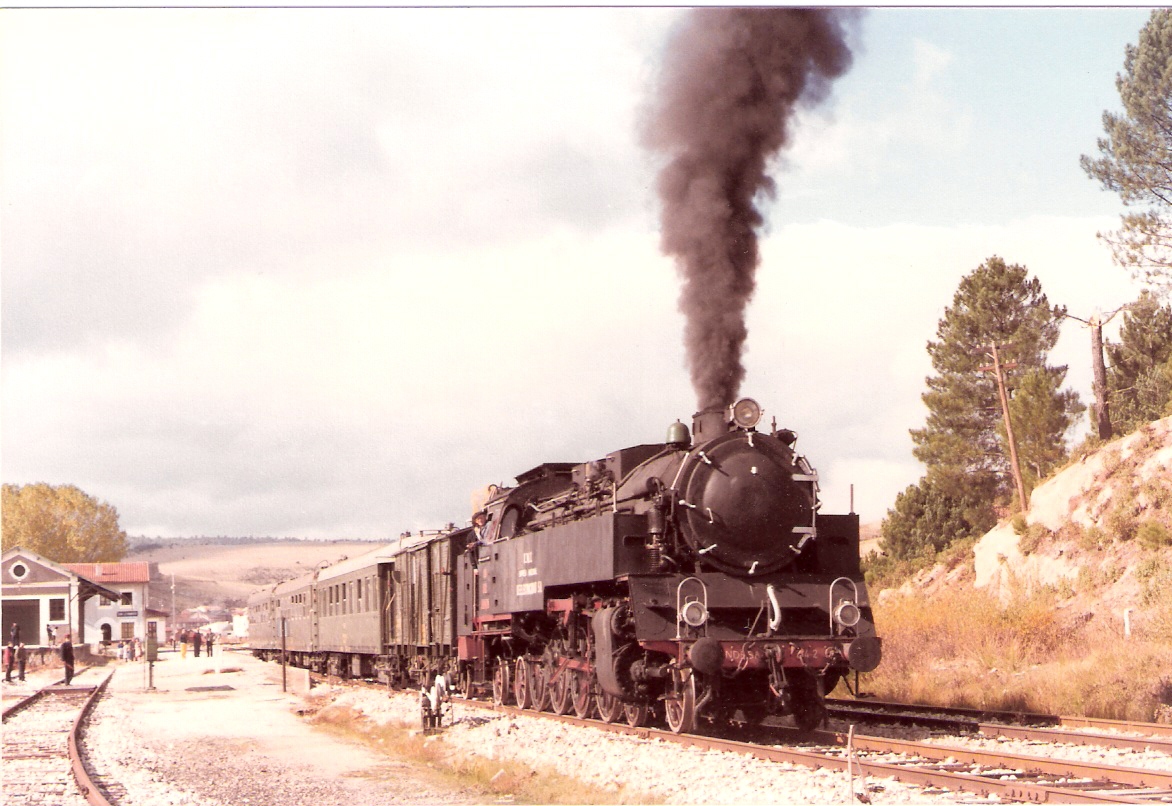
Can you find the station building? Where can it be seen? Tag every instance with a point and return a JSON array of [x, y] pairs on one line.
[[46, 600], [125, 615]]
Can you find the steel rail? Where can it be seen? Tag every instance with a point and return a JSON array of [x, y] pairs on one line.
[[981, 715], [1077, 737], [81, 775], [1154, 728], [1022, 732], [885, 707], [25, 702], [1132, 776], [922, 719]]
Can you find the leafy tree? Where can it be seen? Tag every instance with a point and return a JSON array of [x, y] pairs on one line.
[[62, 524], [1135, 159], [962, 442], [927, 517], [1140, 365]]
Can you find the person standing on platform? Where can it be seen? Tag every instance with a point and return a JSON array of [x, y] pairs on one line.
[[196, 641], [67, 659], [21, 660]]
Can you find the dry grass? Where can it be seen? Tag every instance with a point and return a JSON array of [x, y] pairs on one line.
[[501, 780], [964, 648]]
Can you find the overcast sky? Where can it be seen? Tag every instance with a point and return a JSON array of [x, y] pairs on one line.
[[323, 273]]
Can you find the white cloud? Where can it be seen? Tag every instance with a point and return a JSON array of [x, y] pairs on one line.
[[930, 61], [323, 273], [919, 121]]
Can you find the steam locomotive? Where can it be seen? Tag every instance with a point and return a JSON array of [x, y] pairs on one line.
[[693, 580]]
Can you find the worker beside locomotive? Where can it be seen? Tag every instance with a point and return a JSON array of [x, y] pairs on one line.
[[694, 578]]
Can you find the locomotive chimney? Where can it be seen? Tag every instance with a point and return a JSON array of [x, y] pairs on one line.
[[709, 423]]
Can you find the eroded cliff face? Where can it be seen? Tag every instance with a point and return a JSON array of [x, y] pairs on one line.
[[1098, 531]]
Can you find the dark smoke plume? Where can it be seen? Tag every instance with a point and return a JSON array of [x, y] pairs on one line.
[[731, 82]]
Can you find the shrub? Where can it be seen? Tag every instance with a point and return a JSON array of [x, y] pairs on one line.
[[1033, 537], [1123, 519], [1092, 538], [1153, 535]]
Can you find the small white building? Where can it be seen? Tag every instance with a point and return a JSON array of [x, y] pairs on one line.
[[124, 616]]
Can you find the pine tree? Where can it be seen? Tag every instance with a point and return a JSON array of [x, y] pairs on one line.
[[1140, 371], [1135, 162], [926, 518], [962, 442]]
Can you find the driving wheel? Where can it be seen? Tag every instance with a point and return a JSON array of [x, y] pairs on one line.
[[561, 692], [609, 707], [583, 699], [523, 684], [539, 683], [636, 713], [680, 709], [501, 683]]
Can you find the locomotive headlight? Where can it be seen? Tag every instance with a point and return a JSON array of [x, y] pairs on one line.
[[746, 413], [847, 613], [694, 613]]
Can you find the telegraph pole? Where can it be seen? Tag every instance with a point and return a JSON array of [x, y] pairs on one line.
[[1102, 412], [996, 368]]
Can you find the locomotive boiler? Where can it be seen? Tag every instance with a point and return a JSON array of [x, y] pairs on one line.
[[694, 578]]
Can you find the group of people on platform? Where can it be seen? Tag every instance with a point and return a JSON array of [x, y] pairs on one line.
[[197, 640], [16, 655], [130, 650]]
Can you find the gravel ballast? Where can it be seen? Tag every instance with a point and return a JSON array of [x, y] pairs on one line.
[[242, 741]]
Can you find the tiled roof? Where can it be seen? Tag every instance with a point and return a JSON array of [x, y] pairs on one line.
[[104, 573]]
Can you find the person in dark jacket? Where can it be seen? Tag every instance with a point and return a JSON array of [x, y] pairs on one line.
[[21, 660], [67, 659], [196, 641]]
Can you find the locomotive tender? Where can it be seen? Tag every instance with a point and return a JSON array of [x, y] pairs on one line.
[[694, 578]]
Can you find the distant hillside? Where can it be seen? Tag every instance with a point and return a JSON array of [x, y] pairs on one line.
[[226, 571], [869, 538]]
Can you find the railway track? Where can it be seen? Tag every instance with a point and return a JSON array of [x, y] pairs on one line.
[[42, 740], [1010, 724], [1008, 776]]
